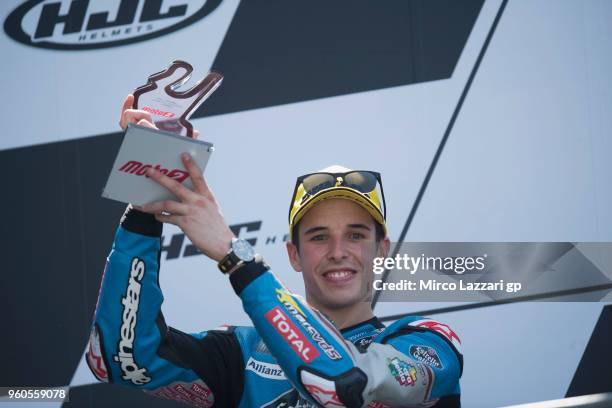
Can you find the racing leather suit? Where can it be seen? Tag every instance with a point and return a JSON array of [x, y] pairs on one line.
[[292, 357]]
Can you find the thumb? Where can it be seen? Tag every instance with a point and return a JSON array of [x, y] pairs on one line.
[[146, 123]]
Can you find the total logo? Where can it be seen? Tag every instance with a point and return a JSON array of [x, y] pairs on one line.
[[296, 311], [292, 335], [91, 24], [139, 169]]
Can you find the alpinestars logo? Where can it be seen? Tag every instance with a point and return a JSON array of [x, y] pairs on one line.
[[139, 169], [125, 347]]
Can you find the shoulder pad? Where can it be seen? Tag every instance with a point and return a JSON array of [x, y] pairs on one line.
[[411, 324], [441, 329]]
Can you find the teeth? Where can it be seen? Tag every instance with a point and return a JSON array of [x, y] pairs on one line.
[[338, 274]]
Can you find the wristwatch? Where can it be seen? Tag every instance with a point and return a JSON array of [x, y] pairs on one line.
[[240, 253]]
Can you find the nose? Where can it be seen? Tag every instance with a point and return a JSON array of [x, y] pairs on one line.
[[337, 249]]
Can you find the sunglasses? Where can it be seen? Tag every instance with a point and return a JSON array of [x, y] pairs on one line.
[[364, 181]]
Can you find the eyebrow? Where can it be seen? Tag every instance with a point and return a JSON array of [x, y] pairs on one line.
[[317, 229], [360, 226], [314, 229]]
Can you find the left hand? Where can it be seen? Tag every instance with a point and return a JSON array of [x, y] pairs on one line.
[[198, 213]]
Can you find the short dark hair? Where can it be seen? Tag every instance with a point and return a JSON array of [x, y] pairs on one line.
[[295, 239]]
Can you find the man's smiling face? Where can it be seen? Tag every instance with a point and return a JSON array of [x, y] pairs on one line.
[[337, 245]]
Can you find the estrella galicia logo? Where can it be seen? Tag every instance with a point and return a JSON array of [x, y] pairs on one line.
[[426, 355], [92, 24]]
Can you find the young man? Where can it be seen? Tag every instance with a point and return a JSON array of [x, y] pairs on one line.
[[329, 351]]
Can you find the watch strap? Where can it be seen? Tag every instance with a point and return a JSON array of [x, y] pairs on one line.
[[247, 273], [229, 262]]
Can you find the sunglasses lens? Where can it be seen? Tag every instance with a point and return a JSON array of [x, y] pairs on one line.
[[361, 181], [317, 182]]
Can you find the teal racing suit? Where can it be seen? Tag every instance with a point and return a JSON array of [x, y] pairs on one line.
[[292, 357]]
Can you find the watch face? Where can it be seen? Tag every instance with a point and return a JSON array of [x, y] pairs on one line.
[[243, 250]]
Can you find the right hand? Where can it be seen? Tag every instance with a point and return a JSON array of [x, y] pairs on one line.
[[139, 117]]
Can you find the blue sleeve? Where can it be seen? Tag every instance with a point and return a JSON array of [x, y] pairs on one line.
[[130, 343], [330, 371]]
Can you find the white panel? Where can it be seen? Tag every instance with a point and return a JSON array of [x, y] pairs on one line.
[[528, 159]]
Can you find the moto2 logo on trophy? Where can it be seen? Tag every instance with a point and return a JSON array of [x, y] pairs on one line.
[[139, 169], [158, 112], [89, 24]]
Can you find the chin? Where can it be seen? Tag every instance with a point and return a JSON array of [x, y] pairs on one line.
[[342, 300]]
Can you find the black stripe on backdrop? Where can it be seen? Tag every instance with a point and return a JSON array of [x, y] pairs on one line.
[[57, 232], [278, 52], [593, 373]]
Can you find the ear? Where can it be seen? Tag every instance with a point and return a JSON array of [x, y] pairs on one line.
[[383, 247], [294, 256]]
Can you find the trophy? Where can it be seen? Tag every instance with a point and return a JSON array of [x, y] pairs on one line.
[[143, 147], [169, 108]]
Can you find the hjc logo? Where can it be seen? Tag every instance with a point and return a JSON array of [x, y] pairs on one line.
[[139, 169], [87, 24], [74, 20]]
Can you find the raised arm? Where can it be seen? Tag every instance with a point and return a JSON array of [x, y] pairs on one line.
[[130, 343]]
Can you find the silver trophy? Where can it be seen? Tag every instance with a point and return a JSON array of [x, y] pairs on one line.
[[170, 108], [143, 148]]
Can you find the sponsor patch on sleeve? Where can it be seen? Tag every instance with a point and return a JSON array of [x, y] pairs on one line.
[[195, 393], [441, 328], [266, 370], [321, 389], [94, 355], [130, 369], [426, 355], [404, 373], [292, 335]]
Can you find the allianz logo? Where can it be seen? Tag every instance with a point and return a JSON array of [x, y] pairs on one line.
[[266, 370]]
